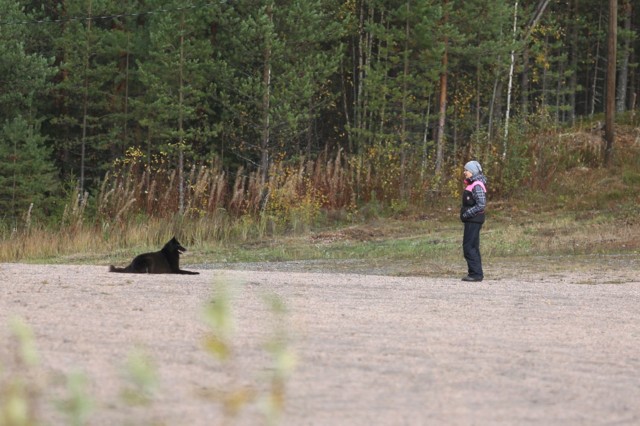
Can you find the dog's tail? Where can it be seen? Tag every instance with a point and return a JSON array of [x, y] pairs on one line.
[[115, 269]]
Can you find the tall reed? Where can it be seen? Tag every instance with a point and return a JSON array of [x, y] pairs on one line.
[[132, 188]]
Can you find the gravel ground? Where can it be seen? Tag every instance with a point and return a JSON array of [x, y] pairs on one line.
[[557, 347]]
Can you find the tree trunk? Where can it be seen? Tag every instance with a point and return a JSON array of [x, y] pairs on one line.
[[524, 83], [573, 79], [367, 116], [492, 106], [524, 89], [442, 105], [560, 92], [443, 111], [382, 61], [542, 5], [510, 85], [181, 121], [545, 74], [266, 102], [477, 104], [309, 132], [425, 138], [610, 105], [405, 94], [359, 93], [633, 84], [346, 106], [623, 76], [85, 103], [126, 96], [596, 64]]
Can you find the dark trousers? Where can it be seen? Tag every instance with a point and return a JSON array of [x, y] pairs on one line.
[[471, 249]]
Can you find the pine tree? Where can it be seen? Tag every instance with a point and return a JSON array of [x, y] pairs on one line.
[[23, 74], [83, 93], [27, 175], [177, 77], [399, 80], [276, 61], [28, 180]]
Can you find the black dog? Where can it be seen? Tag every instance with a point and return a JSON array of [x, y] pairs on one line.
[[165, 261]]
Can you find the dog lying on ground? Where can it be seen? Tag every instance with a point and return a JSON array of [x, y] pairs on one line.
[[165, 261]]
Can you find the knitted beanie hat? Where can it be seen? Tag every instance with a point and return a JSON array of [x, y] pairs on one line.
[[474, 167]]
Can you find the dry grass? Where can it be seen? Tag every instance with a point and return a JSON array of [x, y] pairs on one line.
[[562, 203], [133, 188]]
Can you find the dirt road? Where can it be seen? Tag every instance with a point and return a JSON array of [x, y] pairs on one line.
[[529, 348]]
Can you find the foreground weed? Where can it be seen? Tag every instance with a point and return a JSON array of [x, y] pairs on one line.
[[284, 361], [234, 398], [218, 318], [21, 384], [142, 378], [19, 391], [21, 387], [78, 405]]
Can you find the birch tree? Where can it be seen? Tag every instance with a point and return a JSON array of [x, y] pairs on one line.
[[535, 18]]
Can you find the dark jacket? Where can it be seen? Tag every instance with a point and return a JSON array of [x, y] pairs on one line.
[[474, 200]]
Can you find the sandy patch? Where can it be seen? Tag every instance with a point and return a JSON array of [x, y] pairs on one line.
[[526, 349]]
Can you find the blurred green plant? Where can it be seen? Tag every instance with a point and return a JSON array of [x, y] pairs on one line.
[[19, 389], [218, 318], [235, 396], [78, 406], [142, 378], [284, 361]]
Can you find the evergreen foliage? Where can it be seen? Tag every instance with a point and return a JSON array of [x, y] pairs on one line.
[[28, 180], [243, 87]]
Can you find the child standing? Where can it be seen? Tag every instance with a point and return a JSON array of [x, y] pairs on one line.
[[474, 202]]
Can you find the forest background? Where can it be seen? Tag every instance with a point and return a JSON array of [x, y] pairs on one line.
[[248, 118]]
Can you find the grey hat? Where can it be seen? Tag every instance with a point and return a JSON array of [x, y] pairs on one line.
[[474, 167]]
